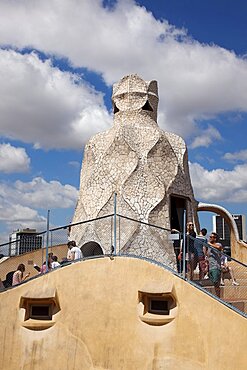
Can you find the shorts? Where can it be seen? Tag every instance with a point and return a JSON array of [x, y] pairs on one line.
[[203, 265], [214, 276], [224, 269], [191, 260]]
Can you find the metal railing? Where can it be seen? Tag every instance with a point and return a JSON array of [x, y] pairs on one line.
[[215, 272], [119, 235]]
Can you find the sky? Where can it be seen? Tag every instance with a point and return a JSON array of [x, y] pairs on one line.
[[58, 61]]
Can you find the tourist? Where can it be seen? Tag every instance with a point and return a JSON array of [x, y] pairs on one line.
[[50, 257], [199, 249], [190, 249], [74, 253], [9, 279], [18, 275], [214, 261], [55, 262], [226, 269], [44, 267]]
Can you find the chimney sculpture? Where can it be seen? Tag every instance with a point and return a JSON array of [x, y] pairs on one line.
[[148, 170]]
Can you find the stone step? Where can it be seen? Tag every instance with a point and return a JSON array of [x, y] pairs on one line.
[[240, 271], [227, 282], [204, 282], [240, 274], [241, 305], [242, 282], [231, 292]]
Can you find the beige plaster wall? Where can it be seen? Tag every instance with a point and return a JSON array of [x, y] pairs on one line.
[[98, 326], [239, 251]]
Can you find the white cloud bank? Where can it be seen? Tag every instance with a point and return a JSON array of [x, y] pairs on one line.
[[19, 201], [13, 159], [16, 216], [47, 107], [196, 81], [39, 193], [219, 184]]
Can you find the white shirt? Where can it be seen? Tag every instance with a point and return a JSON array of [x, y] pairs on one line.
[[55, 264], [77, 252]]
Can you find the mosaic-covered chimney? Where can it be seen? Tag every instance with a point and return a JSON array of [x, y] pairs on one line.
[[148, 170]]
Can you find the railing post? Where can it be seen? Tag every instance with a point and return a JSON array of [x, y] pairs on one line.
[[10, 247], [184, 244], [47, 238], [119, 235], [115, 224]]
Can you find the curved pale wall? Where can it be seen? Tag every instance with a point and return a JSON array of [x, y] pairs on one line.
[[99, 325]]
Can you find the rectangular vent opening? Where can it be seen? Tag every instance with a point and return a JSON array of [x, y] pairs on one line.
[[41, 312], [159, 306]]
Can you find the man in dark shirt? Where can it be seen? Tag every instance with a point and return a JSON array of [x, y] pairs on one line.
[[190, 249]]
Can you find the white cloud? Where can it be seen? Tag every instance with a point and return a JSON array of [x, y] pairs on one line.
[[17, 213], [206, 137], [16, 216], [13, 159], [20, 202], [75, 164], [39, 193], [42, 105], [195, 80], [219, 184], [237, 156]]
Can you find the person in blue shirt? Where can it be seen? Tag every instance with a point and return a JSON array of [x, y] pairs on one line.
[[199, 250]]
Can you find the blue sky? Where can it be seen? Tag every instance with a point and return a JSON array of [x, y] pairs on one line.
[[58, 60]]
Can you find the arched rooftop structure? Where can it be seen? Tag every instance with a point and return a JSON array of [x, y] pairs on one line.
[[238, 247]]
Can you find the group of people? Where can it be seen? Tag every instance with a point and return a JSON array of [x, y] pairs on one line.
[[212, 263], [52, 263], [74, 253], [17, 276]]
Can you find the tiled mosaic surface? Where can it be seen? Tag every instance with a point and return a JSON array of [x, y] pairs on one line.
[[143, 165]]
